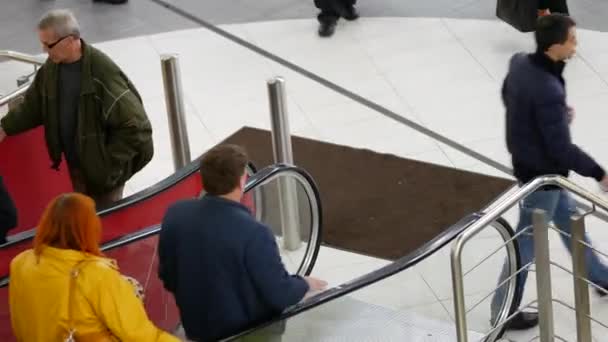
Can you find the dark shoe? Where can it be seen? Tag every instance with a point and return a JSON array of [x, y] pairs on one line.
[[523, 321], [327, 28], [113, 2], [350, 13], [604, 291]]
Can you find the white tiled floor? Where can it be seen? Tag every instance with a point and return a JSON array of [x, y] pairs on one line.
[[444, 74], [450, 85]]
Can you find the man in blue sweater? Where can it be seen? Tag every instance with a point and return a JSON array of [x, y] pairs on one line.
[[538, 138], [223, 266]]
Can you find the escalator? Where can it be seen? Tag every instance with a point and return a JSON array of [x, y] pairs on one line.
[[137, 256], [335, 314], [338, 314], [130, 237], [126, 216]]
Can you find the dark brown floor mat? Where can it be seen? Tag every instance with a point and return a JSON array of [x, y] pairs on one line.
[[379, 204]]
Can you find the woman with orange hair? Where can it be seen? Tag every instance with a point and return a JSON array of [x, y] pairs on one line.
[[65, 290]]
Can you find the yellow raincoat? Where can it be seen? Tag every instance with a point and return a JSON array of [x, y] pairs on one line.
[[103, 300]]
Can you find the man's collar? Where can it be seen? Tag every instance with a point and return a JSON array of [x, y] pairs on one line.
[[541, 59]]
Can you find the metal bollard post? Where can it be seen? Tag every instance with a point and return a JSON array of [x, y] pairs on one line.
[[579, 270], [176, 111], [543, 275], [282, 151], [460, 313]]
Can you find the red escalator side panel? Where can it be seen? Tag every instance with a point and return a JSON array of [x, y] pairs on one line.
[[6, 330], [139, 260], [130, 219], [137, 216], [26, 170], [150, 211]]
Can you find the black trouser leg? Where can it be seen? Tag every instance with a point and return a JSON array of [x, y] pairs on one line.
[[555, 6], [331, 9], [328, 12], [332, 4], [559, 6]]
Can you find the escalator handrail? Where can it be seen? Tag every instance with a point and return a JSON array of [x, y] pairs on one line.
[[6, 99], [397, 266], [259, 178], [22, 57], [142, 195]]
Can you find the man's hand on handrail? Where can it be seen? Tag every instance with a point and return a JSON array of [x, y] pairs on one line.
[[604, 184], [315, 286]]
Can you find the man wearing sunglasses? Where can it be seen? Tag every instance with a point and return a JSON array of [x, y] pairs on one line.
[[92, 114]]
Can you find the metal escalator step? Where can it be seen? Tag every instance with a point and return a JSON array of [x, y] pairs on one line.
[[348, 319]]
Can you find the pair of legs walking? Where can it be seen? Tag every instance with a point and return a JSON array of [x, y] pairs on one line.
[[102, 201], [331, 11], [559, 207]]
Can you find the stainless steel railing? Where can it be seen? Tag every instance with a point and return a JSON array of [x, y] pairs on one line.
[[261, 178], [24, 82], [14, 95], [539, 228], [21, 57]]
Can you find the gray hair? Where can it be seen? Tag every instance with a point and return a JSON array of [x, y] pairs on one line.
[[62, 22]]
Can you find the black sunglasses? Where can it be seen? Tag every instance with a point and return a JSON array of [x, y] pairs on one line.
[[52, 45]]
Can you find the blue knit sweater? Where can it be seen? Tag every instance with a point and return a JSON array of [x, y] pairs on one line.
[[223, 267]]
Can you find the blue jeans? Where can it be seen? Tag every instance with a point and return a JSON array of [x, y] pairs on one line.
[[559, 206]]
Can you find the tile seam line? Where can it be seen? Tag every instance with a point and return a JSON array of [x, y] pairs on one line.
[[467, 49]]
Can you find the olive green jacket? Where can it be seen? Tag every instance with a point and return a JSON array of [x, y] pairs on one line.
[[114, 136]]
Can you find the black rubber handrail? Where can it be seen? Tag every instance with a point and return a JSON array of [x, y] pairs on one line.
[[397, 266], [260, 178]]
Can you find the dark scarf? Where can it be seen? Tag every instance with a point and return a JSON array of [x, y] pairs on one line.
[[555, 68]]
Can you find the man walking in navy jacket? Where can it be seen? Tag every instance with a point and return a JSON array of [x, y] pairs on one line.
[[538, 138], [223, 266]]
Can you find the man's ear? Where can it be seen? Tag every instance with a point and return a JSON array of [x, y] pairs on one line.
[[243, 181]]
